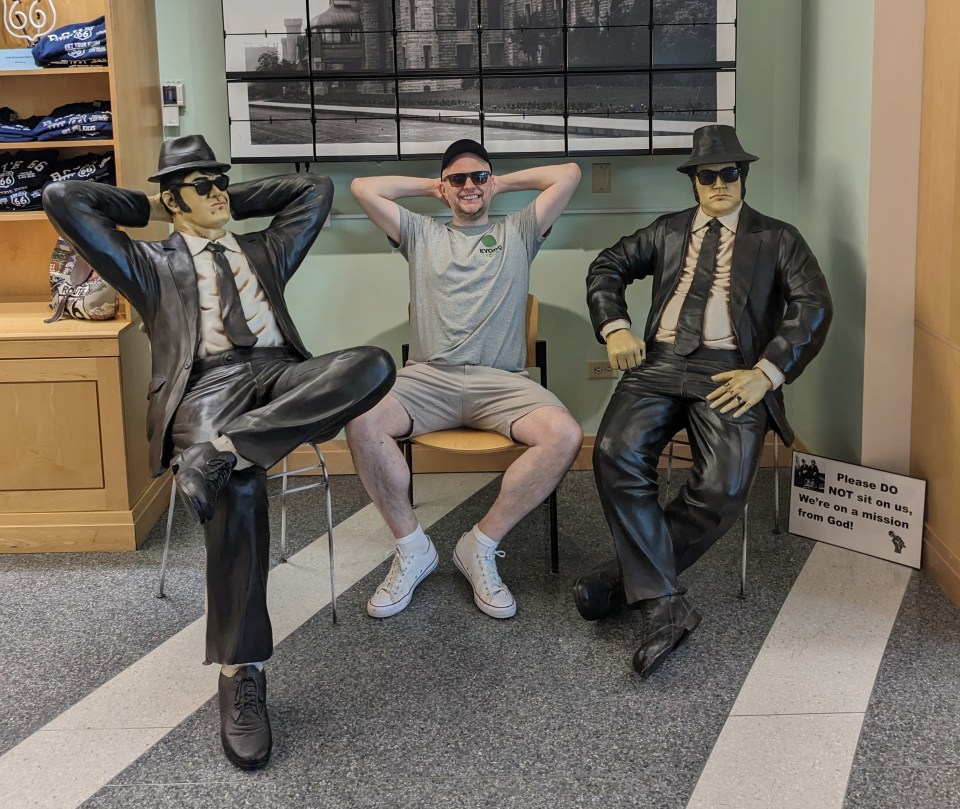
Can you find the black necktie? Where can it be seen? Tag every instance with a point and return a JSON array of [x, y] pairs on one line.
[[690, 321], [231, 310]]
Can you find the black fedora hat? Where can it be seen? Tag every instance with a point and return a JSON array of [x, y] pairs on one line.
[[185, 154], [716, 143]]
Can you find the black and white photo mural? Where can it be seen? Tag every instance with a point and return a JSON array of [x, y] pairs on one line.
[[394, 79]]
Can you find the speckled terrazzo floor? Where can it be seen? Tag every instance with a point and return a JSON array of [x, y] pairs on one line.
[[442, 706]]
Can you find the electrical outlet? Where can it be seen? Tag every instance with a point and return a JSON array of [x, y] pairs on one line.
[[600, 369]]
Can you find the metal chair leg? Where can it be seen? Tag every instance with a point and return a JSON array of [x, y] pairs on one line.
[[408, 457], [333, 562], [554, 538], [283, 512], [743, 553], [166, 541], [776, 485]]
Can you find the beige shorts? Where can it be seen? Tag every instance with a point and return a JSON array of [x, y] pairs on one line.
[[438, 397]]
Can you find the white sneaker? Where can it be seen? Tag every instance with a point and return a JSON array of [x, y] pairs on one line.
[[396, 590], [479, 565]]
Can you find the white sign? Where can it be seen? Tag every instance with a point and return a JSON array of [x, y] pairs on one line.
[[865, 510]]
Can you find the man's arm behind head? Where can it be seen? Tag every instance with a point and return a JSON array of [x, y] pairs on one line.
[[556, 185], [377, 197]]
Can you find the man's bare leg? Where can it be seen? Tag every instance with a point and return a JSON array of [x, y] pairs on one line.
[[553, 438], [383, 471]]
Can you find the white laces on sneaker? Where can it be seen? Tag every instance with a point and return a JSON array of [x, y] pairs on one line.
[[404, 568], [487, 567], [395, 575]]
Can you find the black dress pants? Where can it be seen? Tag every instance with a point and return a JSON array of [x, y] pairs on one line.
[[268, 406], [650, 405]]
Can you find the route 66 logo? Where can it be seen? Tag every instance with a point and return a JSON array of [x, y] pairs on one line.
[[21, 199], [86, 171], [83, 33], [6, 179]]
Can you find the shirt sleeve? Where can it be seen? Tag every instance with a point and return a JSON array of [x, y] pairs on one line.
[[774, 374], [613, 325], [526, 221], [411, 231]]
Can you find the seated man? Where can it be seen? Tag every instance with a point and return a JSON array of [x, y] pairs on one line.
[[469, 282], [233, 389], [739, 306]]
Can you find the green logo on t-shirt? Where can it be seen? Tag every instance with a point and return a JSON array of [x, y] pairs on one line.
[[490, 245]]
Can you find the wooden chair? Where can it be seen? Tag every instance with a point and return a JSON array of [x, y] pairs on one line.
[[466, 440], [679, 449]]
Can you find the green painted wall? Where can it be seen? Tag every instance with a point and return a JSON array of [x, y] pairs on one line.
[[353, 288], [833, 190]]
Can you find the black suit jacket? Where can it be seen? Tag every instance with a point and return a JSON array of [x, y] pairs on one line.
[[780, 306], [159, 280]]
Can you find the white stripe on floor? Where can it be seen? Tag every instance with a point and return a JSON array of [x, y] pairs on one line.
[[791, 736], [72, 757]]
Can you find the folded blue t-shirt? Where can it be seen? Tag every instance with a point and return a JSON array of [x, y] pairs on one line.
[[82, 43], [76, 121]]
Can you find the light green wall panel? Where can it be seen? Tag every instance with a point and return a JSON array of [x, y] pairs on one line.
[[833, 189]]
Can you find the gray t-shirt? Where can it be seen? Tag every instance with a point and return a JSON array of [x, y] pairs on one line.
[[468, 288]]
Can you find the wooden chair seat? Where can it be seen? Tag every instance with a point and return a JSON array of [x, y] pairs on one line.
[[464, 439]]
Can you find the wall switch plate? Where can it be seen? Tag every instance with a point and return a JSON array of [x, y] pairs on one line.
[[602, 179], [600, 369]]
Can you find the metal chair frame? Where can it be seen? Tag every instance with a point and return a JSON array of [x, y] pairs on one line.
[[286, 489], [670, 454]]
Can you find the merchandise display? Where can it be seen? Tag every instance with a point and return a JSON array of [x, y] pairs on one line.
[[24, 173], [82, 43], [75, 121]]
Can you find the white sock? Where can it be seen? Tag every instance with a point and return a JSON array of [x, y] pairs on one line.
[[414, 543], [483, 539], [224, 444], [228, 670]]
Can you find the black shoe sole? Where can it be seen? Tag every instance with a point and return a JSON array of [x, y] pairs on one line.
[[691, 622], [245, 764]]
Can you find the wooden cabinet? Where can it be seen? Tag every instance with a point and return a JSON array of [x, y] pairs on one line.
[[73, 450]]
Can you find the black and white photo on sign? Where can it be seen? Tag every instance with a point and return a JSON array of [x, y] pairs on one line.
[[355, 79]]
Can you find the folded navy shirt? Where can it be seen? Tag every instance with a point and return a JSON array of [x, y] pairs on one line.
[[82, 43], [23, 174], [98, 168], [18, 131], [22, 177], [76, 121]]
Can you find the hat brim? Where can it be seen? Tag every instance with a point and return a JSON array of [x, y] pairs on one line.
[[197, 165], [723, 157]]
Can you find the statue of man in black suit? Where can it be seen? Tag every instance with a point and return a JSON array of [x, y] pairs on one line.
[[739, 307], [233, 388]]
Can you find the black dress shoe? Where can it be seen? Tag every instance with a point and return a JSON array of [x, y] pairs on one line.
[[600, 593], [666, 623], [244, 724], [201, 472]]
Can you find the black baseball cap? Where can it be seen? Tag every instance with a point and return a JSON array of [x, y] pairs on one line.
[[464, 146]]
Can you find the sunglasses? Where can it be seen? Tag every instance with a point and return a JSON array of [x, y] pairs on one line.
[[460, 180], [204, 185], [729, 174]]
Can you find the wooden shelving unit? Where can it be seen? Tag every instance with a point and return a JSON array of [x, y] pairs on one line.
[[73, 450]]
